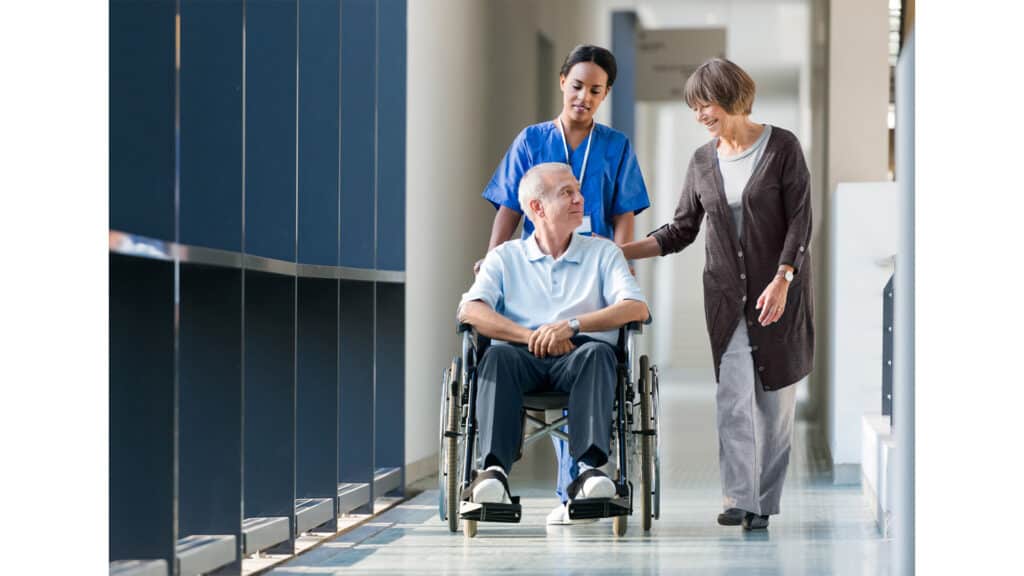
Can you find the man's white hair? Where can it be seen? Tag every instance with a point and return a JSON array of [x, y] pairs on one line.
[[534, 184]]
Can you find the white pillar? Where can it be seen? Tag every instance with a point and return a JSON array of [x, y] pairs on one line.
[[447, 220], [858, 147], [903, 344]]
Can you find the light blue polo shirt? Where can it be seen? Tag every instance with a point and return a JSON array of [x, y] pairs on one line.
[[531, 288]]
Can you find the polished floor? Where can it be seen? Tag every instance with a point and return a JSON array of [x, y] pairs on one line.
[[823, 529]]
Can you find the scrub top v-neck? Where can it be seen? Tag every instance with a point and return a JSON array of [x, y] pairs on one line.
[[612, 184]]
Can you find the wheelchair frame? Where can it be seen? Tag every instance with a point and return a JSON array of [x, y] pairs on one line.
[[634, 441]]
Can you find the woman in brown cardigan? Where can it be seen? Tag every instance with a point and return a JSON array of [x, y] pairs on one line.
[[752, 183]]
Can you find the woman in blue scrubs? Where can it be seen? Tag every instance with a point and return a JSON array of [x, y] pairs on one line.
[[602, 160]]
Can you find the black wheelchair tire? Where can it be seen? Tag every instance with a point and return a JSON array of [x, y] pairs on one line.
[[646, 458], [452, 484]]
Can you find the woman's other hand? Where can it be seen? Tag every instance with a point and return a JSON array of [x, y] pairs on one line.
[[772, 302]]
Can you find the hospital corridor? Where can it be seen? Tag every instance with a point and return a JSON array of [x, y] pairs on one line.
[[510, 286]]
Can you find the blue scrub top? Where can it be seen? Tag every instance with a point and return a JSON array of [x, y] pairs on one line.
[[612, 184]]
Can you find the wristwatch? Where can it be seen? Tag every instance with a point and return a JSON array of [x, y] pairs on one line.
[[787, 274], [575, 325]]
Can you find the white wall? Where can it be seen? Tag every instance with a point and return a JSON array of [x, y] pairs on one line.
[[447, 222], [863, 235], [857, 147], [471, 88]]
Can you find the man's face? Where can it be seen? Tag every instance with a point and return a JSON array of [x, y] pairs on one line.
[[562, 204]]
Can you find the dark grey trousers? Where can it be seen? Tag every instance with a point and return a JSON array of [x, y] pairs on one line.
[[507, 372]]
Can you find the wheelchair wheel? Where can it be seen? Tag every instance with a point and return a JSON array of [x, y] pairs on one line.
[[656, 441], [451, 444], [442, 469], [646, 458]]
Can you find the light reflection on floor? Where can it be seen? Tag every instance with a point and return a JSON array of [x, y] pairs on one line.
[[823, 529]]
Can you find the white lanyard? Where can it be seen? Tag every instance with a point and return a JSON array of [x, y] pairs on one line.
[[586, 154]]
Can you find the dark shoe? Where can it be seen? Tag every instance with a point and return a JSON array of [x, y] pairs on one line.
[[731, 517], [755, 522]]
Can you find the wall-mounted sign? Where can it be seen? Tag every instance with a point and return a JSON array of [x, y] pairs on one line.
[[666, 58]]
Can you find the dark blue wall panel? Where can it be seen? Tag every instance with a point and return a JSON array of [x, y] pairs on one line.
[[142, 117], [317, 389], [319, 61], [210, 402], [356, 396], [141, 418], [389, 408], [270, 52], [624, 25], [211, 124], [269, 396], [358, 87], [391, 136]]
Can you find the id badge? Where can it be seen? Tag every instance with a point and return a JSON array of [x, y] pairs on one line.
[[584, 228]]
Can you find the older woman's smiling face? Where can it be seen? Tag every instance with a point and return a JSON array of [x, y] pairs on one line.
[[711, 116]]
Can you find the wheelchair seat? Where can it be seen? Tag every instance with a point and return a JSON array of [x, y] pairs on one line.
[[545, 400]]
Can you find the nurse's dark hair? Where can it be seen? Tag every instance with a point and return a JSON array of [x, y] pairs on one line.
[[588, 53], [720, 81]]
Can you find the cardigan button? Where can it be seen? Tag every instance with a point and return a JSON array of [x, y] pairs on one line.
[[743, 276], [760, 368]]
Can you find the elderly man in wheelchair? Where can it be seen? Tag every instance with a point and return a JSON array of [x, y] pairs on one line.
[[555, 307]]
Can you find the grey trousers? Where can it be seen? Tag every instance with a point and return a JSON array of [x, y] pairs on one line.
[[507, 372], [755, 431]]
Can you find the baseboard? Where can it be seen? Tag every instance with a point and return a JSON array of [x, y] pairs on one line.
[[420, 469], [846, 474]]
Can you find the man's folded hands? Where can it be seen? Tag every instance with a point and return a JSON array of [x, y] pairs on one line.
[[551, 340]]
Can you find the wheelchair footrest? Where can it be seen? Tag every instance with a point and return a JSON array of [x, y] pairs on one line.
[[598, 508], [491, 511]]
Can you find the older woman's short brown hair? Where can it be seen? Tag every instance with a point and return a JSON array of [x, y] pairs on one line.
[[721, 82]]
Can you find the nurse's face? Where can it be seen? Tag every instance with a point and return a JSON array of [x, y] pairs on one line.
[[562, 205], [712, 116], [583, 91]]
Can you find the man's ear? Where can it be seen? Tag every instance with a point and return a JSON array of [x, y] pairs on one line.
[[537, 206]]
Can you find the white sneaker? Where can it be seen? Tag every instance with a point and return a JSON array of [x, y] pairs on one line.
[[559, 516], [597, 487], [491, 490]]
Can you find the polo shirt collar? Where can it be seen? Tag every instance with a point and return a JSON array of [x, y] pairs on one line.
[[572, 253]]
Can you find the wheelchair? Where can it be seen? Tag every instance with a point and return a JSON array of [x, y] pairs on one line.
[[634, 442]]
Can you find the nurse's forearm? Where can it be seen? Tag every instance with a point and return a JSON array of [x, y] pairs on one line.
[[505, 222], [645, 248], [623, 224]]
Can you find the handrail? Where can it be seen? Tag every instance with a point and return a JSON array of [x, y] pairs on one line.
[[144, 247]]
